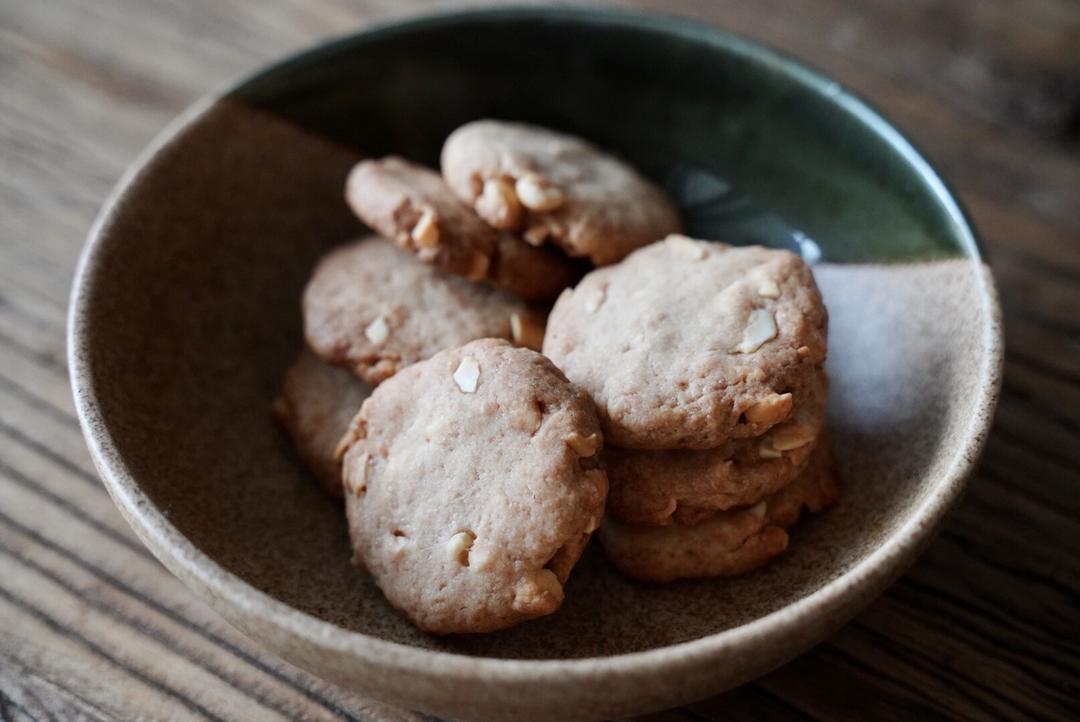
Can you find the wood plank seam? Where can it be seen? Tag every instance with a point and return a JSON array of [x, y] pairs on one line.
[[129, 542], [43, 405], [100, 714], [58, 628], [1046, 504], [831, 649], [1019, 573], [38, 356], [920, 659], [139, 627], [932, 595], [974, 640], [1053, 455], [29, 442], [1026, 399], [146, 629], [1042, 368], [178, 618]]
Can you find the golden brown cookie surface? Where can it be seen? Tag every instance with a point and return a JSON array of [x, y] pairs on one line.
[[726, 543], [547, 186], [653, 487], [315, 405], [372, 308], [471, 488], [413, 206], [687, 344]]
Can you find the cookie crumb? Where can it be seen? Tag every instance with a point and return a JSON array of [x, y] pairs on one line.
[[767, 452], [771, 410], [539, 592], [768, 289], [687, 247], [482, 558], [760, 328], [499, 205], [583, 446], [478, 267], [399, 546], [459, 546], [596, 300], [377, 331], [356, 478], [536, 234], [526, 331], [788, 439], [426, 231], [467, 375], [537, 193], [357, 430]]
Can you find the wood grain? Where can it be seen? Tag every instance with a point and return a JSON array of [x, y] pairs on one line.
[[986, 626]]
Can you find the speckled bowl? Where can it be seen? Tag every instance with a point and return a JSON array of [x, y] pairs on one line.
[[185, 315]]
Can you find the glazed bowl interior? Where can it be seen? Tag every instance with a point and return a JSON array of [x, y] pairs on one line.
[[186, 312]]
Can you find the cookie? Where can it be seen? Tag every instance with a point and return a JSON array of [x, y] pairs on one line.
[[371, 308], [727, 543], [472, 486], [687, 344], [552, 187], [315, 406], [534, 274], [413, 206], [655, 487]]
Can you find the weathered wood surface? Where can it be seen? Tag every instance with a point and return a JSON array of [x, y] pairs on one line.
[[987, 625]]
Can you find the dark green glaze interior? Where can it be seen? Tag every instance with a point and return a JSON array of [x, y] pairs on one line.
[[755, 146]]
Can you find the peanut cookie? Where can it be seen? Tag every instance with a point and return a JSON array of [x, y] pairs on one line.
[[413, 206], [316, 403], [653, 487], [728, 543], [471, 486], [548, 186], [687, 344], [371, 308]]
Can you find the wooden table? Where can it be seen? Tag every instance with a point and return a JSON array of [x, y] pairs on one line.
[[987, 625]]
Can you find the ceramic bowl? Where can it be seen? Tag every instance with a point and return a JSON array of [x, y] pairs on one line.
[[185, 315]]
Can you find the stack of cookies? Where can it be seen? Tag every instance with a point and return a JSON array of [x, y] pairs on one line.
[[705, 365], [470, 469], [518, 214], [678, 405]]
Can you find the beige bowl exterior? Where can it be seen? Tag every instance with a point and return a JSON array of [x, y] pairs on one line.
[[185, 315]]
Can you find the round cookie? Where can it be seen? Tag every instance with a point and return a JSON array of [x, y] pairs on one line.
[[413, 206], [727, 543], [316, 404], [371, 308], [472, 486], [687, 344], [549, 186], [655, 487]]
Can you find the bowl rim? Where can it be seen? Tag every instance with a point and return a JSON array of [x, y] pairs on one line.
[[184, 559]]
